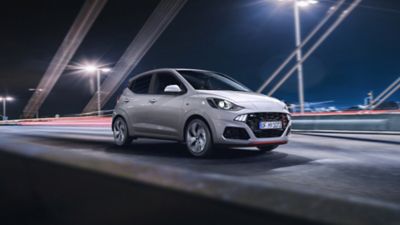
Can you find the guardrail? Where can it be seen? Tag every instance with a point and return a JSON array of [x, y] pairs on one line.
[[365, 120], [382, 121]]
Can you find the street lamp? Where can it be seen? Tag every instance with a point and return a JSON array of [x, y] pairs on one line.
[[296, 5], [305, 3], [95, 69], [36, 90], [5, 99]]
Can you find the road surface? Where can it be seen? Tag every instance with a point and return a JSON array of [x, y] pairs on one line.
[[361, 165]]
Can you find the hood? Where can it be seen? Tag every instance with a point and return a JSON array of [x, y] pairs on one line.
[[246, 99]]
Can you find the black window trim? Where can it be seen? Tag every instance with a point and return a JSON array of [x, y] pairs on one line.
[[141, 76]]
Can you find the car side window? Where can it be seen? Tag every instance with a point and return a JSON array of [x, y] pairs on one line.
[[141, 85], [164, 79]]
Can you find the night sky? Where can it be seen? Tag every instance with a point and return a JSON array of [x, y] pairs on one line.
[[246, 39]]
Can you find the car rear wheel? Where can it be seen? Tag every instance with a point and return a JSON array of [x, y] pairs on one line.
[[267, 148], [120, 131], [198, 138]]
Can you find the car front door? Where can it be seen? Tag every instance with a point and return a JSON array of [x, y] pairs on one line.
[[167, 111], [139, 103]]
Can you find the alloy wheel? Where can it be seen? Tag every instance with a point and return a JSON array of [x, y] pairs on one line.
[[196, 137]]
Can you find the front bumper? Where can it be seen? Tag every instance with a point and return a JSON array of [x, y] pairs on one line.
[[224, 120]]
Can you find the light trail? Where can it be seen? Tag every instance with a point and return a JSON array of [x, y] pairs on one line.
[[68, 121], [358, 112]]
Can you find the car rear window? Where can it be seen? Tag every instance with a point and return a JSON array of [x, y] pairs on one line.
[[141, 85]]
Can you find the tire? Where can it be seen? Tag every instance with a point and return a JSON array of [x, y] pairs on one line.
[[198, 138], [120, 132], [267, 148]]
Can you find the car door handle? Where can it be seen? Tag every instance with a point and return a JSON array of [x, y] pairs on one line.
[[126, 100], [152, 101]]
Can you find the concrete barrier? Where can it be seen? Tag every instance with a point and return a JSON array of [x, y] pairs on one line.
[[355, 122]]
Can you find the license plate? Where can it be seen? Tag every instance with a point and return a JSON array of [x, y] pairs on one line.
[[270, 125]]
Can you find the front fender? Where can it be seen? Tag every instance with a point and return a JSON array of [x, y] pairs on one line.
[[200, 108]]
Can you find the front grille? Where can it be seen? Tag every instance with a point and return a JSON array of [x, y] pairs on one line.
[[236, 133], [254, 119]]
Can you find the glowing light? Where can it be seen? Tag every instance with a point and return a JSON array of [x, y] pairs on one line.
[[7, 99], [36, 89], [305, 3], [91, 68], [105, 70]]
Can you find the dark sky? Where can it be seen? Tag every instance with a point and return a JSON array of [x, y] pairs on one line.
[[246, 39]]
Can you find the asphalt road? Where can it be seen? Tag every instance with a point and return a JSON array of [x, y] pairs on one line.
[[349, 165]]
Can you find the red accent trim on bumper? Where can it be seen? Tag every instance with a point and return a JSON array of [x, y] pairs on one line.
[[257, 143]]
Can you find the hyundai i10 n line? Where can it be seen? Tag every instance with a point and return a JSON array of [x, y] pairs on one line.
[[201, 109]]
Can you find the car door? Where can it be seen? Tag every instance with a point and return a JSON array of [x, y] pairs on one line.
[[138, 104], [167, 111]]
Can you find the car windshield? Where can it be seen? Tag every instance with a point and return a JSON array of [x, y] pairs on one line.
[[206, 80]]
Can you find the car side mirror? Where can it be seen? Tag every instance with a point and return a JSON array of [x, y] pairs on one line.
[[172, 89]]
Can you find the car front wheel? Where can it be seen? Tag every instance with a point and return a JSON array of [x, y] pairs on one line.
[[198, 138], [120, 131]]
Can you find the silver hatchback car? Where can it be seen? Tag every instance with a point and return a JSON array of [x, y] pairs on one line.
[[201, 109]]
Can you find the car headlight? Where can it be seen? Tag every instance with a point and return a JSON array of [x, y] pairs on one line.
[[223, 104]]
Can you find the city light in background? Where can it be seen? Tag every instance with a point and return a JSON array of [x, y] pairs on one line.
[[4, 100]]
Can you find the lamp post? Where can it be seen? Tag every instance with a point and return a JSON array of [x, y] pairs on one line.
[[299, 55], [97, 70], [36, 90], [5, 99], [297, 27]]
